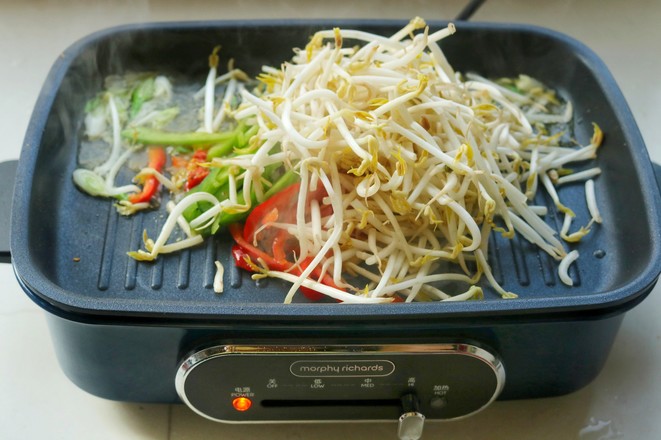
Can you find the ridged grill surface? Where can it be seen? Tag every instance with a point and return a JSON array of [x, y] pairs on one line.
[[515, 263]]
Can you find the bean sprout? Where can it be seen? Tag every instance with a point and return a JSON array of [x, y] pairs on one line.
[[563, 268], [218, 285], [592, 201]]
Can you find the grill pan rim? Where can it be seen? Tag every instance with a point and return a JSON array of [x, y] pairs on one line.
[[38, 285]]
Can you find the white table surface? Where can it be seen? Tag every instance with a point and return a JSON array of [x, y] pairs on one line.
[[38, 402]]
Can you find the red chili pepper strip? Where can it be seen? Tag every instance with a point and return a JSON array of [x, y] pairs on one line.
[[254, 253], [243, 251], [157, 159], [312, 294], [281, 207], [196, 173], [278, 244], [241, 258], [178, 161], [278, 201], [196, 176], [200, 155], [316, 273]]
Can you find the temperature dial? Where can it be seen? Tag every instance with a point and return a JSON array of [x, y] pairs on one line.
[[411, 421]]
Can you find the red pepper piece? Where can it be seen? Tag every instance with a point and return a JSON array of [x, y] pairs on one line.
[[312, 294], [285, 203], [178, 161], [254, 253], [196, 173], [281, 201], [240, 257], [196, 176], [281, 207], [157, 159], [279, 244], [316, 273], [200, 155]]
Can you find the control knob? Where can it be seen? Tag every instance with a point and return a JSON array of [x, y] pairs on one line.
[[411, 422]]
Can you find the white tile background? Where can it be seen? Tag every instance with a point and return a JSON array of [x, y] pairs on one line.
[[38, 402]]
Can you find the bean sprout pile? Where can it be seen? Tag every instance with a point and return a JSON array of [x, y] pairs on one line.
[[405, 168]]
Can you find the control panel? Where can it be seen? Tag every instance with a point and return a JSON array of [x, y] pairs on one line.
[[409, 383]]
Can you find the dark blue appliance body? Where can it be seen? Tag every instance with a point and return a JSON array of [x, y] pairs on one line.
[[121, 329], [129, 362]]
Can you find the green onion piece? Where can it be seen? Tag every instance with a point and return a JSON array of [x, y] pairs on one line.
[[143, 92], [90, 182]]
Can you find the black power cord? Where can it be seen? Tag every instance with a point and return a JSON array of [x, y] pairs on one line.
[[469, 10]]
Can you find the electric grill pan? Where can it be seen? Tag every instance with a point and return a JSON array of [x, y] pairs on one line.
[[156, 332]]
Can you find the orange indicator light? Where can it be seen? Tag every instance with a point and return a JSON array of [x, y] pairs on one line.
[[242, 403]]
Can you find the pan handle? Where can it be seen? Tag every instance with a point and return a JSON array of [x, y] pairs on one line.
[[8, 174]]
